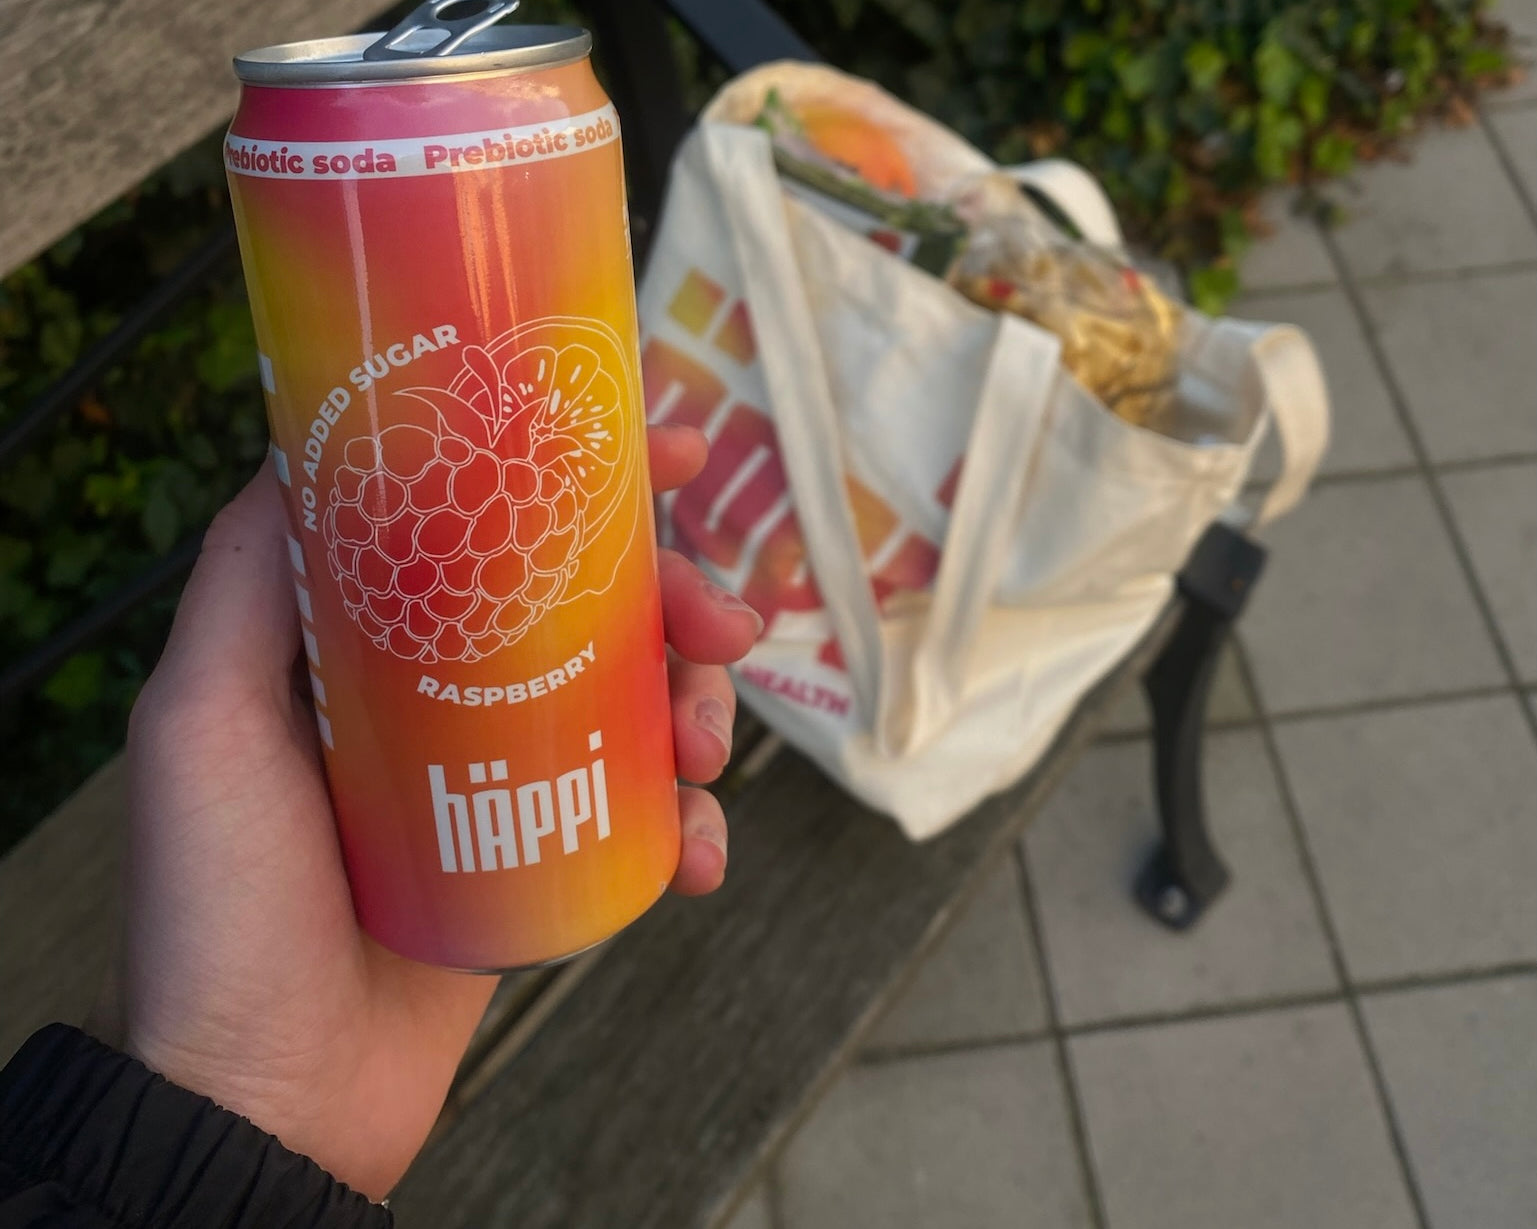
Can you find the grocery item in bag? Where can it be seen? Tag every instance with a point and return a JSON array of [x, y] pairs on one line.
[[849, 168], [1120, 334]]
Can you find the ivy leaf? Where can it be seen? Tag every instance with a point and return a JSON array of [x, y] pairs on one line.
[[1334, 154], [1277, 135], [1277, 71], [58, 341], [160, 520], [1176, 192], [63, 252], [1212, 288], [71, 559], [199, 450], [847, 12], [229, 355], [1313, 99], [1363, 37], [1117, 122], [14, 554], [1138, 74], [1204, 66], [1075, 101], [77, 684], [1083, 48]]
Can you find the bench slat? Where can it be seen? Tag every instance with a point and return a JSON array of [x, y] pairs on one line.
[[98, 96], [686, 1055], [59, 893]]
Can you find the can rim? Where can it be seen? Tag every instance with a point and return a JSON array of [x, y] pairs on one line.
[[323, 61]]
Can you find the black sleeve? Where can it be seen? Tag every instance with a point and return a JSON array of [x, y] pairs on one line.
[[91, 1139]]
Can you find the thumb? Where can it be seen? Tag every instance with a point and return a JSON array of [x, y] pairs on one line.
[[237, 622]]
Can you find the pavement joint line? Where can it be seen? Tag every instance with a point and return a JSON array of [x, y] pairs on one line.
[[1462, 465], [1473, 464], [1293, 812], [1420, 277], [1458, 977], [1432, 478], [1384, 704], [1073, 1100], [1345, 477], [1290, 290], [916, 1051], [1351, 708], [1206, 1011], [1508, 165], [1288, 1002], [889, 1055], [1356, 477]]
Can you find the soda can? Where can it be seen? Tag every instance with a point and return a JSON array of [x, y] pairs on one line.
[[437, 255]]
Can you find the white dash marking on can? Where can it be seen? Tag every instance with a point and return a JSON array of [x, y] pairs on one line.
[[324, 723], [306, 607], [317, 689], [264, 365], [280, 464], [296, 555], [311, 647]]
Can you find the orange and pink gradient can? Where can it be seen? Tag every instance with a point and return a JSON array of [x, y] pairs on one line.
[[438, 263]]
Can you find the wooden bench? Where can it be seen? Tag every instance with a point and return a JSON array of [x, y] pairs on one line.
[[646, 1083]]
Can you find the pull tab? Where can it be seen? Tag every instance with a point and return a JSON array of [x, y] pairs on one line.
[[427, 17]]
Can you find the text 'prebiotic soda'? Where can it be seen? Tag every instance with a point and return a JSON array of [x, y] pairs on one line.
[[438, 263]]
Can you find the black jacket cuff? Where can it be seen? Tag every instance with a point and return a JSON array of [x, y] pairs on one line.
[[85, 1129]]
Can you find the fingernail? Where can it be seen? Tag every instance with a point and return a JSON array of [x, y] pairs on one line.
[[730, 601], [706, 830], [713, 717]]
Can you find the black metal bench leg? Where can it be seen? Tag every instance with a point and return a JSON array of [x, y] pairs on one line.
[[1186, 874]]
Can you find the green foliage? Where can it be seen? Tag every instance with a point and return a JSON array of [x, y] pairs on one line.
[[1185, 109], [141, 462]]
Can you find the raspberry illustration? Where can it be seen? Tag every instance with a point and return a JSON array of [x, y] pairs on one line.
[[452, 536]]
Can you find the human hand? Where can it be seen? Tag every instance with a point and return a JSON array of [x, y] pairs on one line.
[[244, 975]]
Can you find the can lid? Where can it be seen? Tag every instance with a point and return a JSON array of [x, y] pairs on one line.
[[422, 45]]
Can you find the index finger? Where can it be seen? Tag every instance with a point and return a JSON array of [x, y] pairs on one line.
[[677, 454]]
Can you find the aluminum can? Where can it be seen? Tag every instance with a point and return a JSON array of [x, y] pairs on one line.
[[437, 255]]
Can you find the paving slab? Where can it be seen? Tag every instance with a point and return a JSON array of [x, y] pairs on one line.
[[1420, 822], [1496, 513], [1293, 254], [1108, 959], [1460, 1063], [978, 1140], [1259, 1121], [1516, 131], [1461, 352], [1448, 206], [1363, 599], [980, 983], [1365, 432]]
